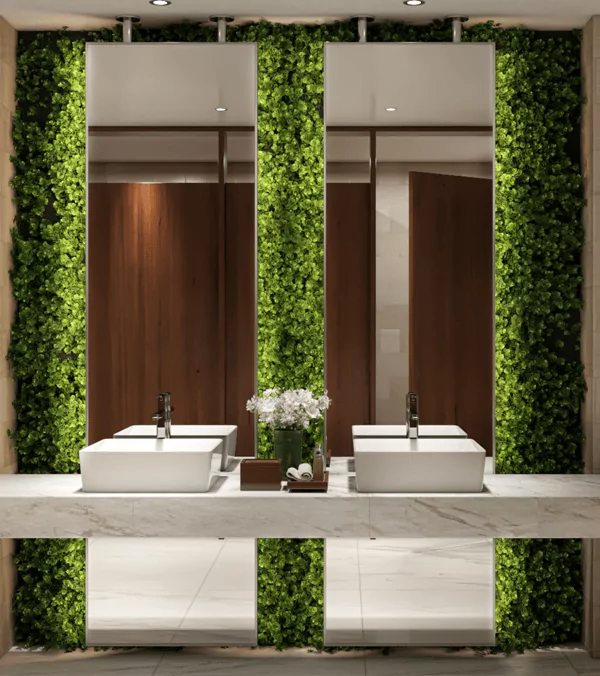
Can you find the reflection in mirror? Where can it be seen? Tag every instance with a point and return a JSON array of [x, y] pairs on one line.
[[409, 308], [171, 296]]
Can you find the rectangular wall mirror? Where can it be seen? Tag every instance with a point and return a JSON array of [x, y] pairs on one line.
[[410, 277], [171, 298]]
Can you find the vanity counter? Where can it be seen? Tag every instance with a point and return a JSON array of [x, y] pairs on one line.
[[511, 506]]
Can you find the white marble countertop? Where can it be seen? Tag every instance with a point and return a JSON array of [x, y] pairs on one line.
[[516, 506]]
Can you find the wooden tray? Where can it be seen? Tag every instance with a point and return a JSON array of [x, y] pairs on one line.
[[312, 486]]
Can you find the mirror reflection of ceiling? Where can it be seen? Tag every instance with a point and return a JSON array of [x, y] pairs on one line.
[[92, 14], [171, 84], [409, 147], [425, 84], [169, 146]]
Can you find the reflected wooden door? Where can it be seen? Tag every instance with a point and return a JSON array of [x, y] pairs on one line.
[[152, 304], [240, 311], [348, 310], [451, 330]]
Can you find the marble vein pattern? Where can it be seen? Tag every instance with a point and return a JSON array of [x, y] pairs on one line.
[[409, 592], [267, 662], [171, 591], [545, 506]]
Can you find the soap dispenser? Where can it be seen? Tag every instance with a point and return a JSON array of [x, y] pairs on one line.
[[318, 465]]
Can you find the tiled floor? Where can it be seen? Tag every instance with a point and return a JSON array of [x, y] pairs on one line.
[[409, 592], [178, 591], [171, 591], [268, 662]]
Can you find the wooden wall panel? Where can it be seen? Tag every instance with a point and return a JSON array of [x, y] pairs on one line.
[[452, 303], [348, 341], [240, 304], [123, 308], [187, 299]]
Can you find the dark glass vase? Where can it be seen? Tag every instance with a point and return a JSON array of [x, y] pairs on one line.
[[288, 447]]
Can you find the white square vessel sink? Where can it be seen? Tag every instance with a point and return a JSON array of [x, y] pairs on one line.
[[148, 465], [418, 465], [228, 433], [399, 432]]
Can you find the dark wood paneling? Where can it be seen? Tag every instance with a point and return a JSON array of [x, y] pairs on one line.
[[159, 290], [452, 303], [240, 265], [133, 129], [189, 301], [123, 309], [221, 281], [372, 277], [348, 303]]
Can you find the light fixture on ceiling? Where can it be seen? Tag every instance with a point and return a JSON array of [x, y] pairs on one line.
[[390, 110], [414, 3], [160, 3], [220, 110]]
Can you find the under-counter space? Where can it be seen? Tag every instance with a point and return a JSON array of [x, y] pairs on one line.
[[514, 506]]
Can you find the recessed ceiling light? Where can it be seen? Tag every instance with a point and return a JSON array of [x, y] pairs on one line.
[[160, 3], [220, 110], [414, 3], [390, 110]]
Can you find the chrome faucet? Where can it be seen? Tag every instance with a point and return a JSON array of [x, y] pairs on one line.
[[162, 417], [412, 415]]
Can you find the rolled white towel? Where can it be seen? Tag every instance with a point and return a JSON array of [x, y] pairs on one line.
[[305, 472], [292, 473]]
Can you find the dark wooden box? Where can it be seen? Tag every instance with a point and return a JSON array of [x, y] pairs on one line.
[[260, 475]]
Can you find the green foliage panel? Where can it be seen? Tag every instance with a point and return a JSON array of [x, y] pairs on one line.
[[538, 241]]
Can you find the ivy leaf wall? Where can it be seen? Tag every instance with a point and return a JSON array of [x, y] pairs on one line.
[[539, 235]]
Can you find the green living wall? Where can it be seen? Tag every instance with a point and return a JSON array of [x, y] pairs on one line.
[[538, 240]]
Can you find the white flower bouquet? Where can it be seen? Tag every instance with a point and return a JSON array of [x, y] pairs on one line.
[[290, 410]]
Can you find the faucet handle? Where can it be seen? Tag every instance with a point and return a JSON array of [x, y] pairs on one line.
[[156, 417]]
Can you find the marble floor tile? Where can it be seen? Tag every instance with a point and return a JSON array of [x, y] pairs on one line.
[[228, 573], [415, 604], [583, 663], [412, 591], [147, 578], [343, 618], [155, 547], [171, 591], [471, 666], [130, 663], [214, 635], [235, 607], [295, 662], [319, 665], [126, 637], [345, 580]]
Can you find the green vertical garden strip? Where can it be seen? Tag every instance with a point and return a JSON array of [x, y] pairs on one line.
[[538, 241], [48, 338], [539, 375]]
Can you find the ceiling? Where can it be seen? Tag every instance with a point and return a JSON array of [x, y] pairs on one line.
[[91, 14], [171, 84], [410, 147], [439, 84]]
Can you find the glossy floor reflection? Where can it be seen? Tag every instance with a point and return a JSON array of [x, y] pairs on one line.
[[420, 591], [409, 592], [268, 662], [171, 591]]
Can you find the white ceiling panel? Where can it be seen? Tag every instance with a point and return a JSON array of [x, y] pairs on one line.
[[181, 84], [426, 84], [407, 147]]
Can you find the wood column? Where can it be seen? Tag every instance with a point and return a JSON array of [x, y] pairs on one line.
[[590, 337]]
